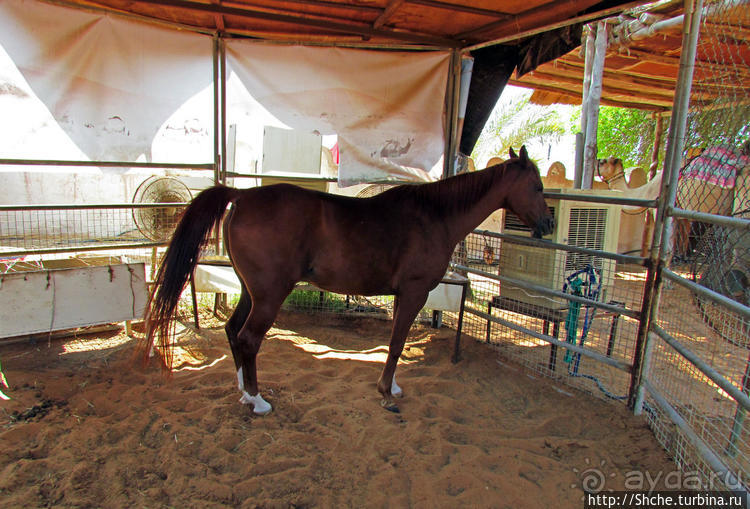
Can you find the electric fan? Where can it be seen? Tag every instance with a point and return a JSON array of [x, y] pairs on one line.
[[158, 223]]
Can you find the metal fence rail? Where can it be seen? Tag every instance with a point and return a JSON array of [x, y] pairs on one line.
[[37, 229]]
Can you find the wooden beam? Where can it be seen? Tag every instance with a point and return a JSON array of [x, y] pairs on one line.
[[364, 8], [637, 77], [346, 28], [576, 94], [390, 9], [552, 24], [610, 88], [327, 16], [675, 61], [731, 31], [623, 75], [461, 8], [541, 15], [593, 101], [219, 19]]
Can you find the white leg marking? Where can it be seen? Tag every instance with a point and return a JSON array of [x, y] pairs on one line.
[[260, 405], [240, 380], [396, 391]]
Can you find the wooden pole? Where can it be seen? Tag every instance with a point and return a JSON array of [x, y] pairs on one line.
[[648, 230], [581, 138], [592, 108], [658, 130]]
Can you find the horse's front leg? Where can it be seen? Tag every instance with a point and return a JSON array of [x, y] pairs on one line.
[[406, 307]]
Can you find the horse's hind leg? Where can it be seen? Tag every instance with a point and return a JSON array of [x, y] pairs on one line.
[[232, 328], [262, 315]]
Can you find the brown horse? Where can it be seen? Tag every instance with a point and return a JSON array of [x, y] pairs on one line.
[[396, 243]]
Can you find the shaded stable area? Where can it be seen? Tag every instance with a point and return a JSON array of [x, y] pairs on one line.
[[668, 335]]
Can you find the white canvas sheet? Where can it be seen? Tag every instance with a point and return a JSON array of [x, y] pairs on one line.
[[386, 107], [109, 82]]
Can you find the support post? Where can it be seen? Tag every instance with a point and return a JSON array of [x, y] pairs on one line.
[[451, 108], [223, 106], [581, 137], [658, 131], [594, 97], [217, 93]]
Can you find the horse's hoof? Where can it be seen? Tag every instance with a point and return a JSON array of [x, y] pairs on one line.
[[260, 405], [390, 406], [263, 411]]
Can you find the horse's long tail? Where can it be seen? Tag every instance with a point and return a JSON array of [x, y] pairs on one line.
[[190, 236]]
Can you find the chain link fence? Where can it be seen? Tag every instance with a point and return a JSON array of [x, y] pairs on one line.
[[709, 318]]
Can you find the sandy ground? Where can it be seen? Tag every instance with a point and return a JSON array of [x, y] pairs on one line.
[[87, 428]]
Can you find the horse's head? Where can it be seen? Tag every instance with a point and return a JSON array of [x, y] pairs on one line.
[[525, 198]]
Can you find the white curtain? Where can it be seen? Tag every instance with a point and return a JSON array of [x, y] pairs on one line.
[[109, 82], [387, 108]]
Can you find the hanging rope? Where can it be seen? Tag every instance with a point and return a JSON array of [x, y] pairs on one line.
[[582, 283]]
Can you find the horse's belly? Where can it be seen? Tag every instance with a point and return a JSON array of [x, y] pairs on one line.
[[350, 285]]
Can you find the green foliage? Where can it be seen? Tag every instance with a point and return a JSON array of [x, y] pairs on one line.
[[722, 124], [515, 121], [312, 299], [628, 134]]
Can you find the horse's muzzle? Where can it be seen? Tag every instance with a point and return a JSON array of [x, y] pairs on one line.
[[544, 227]]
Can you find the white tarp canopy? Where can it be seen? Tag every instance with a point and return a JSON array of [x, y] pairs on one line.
[[386, 107], [111, 84]]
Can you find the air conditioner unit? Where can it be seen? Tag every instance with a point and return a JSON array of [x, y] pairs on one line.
[[577, 223]]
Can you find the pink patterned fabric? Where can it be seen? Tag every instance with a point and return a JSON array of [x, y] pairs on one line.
[[717, 165]]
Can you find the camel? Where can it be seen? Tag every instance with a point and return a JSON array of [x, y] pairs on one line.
[[636, 223]]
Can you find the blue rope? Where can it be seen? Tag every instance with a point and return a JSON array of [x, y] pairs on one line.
[[584, 278]]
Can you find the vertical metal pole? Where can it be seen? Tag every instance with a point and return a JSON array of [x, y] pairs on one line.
[[739, 415], [451, 108], [661, 249], [678, 124], [223, 95], [221, 299], [217, 92], [217, 123]]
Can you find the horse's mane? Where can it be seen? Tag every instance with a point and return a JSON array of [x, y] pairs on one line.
[[448, 196]]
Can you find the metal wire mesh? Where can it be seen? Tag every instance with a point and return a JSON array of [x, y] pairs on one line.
[[309, 299], [713, 179], [608, 333], [30, 229], [695, 471]]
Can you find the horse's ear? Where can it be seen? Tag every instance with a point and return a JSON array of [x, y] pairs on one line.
[[524, 155], [513, 153]]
